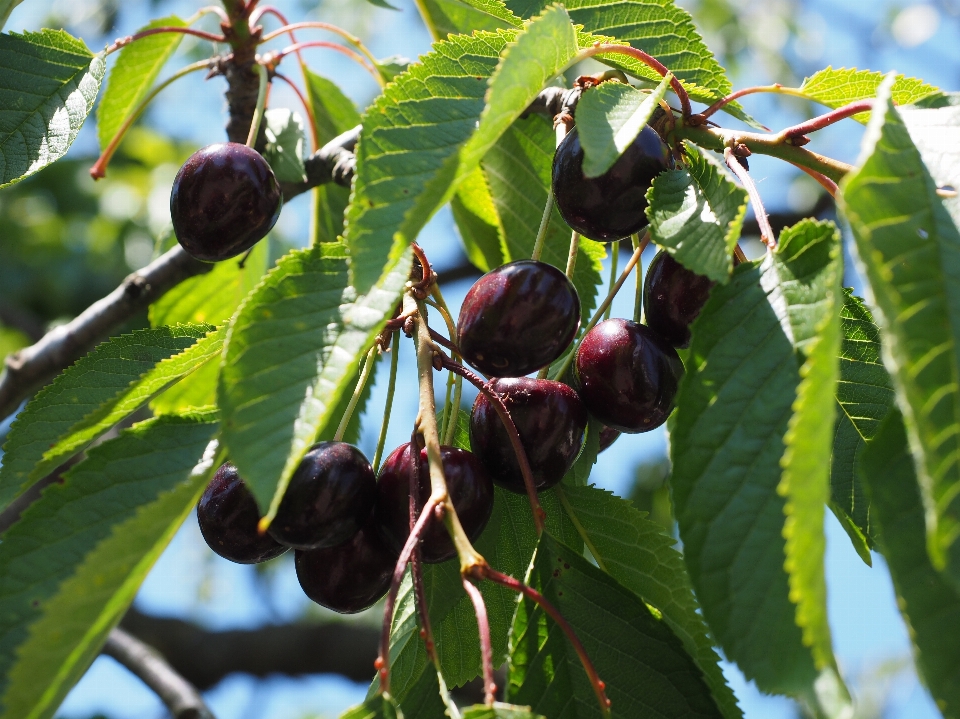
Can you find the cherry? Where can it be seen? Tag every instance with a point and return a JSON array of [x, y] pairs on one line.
[[612, 205], [470, 489], [628, 375], [672, 298], [349, 577], [550, 420], [228, 517], [607, 437], [518, 318], [224, 200], [330, 496]]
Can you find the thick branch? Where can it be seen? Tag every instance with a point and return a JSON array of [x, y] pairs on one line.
[[334, 162], [182, 699]]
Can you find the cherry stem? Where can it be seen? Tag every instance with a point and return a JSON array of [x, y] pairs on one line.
[[614, 261], [638, 292], [599, 688], [388, 407], [99, 168], [598, 314], [261, 105], [349, 37], [572, 254], [648, 60], [544, 224], [368, 365], [124, 41], [739, 255], [766, 231], [486, 648], [501, 408], [776, 88], [306, 107], [443, 341], [825, 182], [818, 123], [450, 426], [353, 55], [416, 569], [575, 520]]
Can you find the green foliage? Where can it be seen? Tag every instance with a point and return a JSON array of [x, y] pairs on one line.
[[578, 474], [836, 88], [637, 553], [6, 7], [378, 707], [910, 249], [478, 222], [454, 17], [930, 605], [609, 118], [122, 372], [133, 75], [499, 711], [633, 650], [49, 83], [284, 150], [75, 559], [697, 213]]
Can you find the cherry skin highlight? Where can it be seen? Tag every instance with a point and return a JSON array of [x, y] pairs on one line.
[[627, 375], [607, 437], [518, 318], [672, 298], [228, 517], [470, 490], [349, 577], [224, 200], [612, 205], [328, 500], [550, 420]]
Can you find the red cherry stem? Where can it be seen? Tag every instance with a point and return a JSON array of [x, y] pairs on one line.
[[723, 102], [451, 409], [388, 406], [825, 182], [486, 648], [306, 108], [443, 341], [501, 408], [349, 37], [638, 292], [355, 56], [766, 230], [818, 123], [416, 569], [647, 59], [124, 41], [99, 169], [599, 688]]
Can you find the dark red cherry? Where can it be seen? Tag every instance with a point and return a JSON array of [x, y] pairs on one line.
[[518, 318], [224, 200], [612, 205], [627, 375], [550, 420], [672, 298], [470, 489], [328, 500], [607, 437], [350, 577], [228, 517]]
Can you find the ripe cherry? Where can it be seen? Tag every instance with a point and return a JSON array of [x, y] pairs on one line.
[[550, 420], [607, 437], [672, 298], [612, 205], [349, 577], [328, 500], [228, 517], [224, 200], [628, 375], [518, 318], [470, 489]]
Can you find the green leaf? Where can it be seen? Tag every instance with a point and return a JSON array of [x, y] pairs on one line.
[[47, 88], [579, 473], [910, 250], [496, 9], [11, 340], [499, 711], [383, 3], [6, 7], [134, 73], [836, 88], [936, 134], [637, 553], [645, 667], [864, 396], [454, 17], [696, 214], [284, 150], [392, 66], [378, 707], [294, 346], [518, 170], [930, 606], [609, 118], [726, 445], [91, 383], [809, 273], [478, 222], [74, 561], [334, 113]]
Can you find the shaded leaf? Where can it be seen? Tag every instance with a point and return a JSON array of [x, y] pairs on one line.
[[284, 150], [74, 561], [392, 66], [477, 222], [47, 88], [696, 214], [836, 88], [133, 74], [6, 7], [454, 17], [378, 707], [499, 711]]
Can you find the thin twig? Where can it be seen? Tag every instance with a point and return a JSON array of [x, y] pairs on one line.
[[818, 123], [276, 57], [648, 60], [776, 88], [486, 648], [177, 694], [766, 231], [124, 41], [349, 37]]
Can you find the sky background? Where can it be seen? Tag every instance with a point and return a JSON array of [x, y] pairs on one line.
[[871, 641]]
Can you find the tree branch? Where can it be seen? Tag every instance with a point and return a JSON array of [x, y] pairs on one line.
[[182, 699]]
